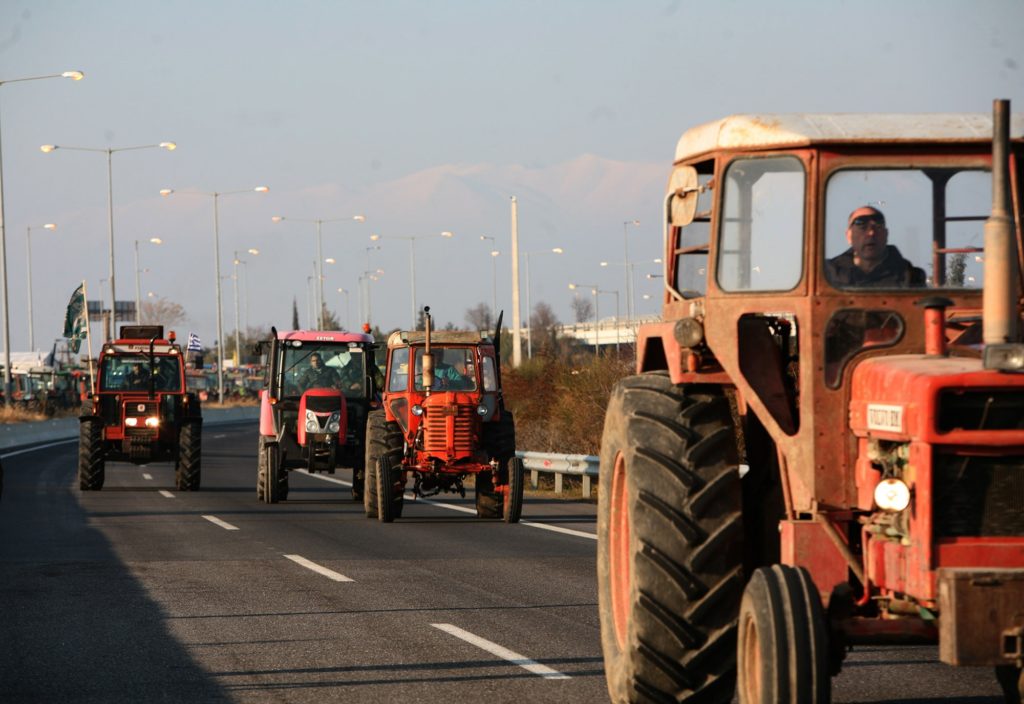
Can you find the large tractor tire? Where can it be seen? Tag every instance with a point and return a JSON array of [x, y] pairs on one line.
[[385, 476], [670, 553], [268, 478], [499, 439], [513, 498], [783, 648], [189, 468], [1011, 679], [382, 439], [91, 460]]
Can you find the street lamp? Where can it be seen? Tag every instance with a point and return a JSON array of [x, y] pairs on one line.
[[412, 260], [138, 295], [75, 76], [28, 242], [245, 284], [629, 278], [494, 276], [319, 257], [234, 279], [216, 263], [348, 321], [529, 311], [597, 314], [364, 293], [110, 151]]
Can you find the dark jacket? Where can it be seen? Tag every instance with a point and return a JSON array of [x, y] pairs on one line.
[[322, 378], [893, 272]]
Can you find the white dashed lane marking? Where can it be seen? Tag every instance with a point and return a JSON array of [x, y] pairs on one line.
[[223, 524], [319, 569], [167, 494], [502, 652], [147, 475]]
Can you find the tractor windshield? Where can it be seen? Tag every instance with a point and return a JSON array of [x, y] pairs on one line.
[[319, 365], [133, 372], [453, 369], [906, 228]]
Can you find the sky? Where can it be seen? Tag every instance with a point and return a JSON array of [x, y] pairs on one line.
[[423, 117]]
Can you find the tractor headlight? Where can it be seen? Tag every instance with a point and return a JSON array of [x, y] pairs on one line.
[[334, 423], [892, 495], [481, 410], [131, 422], [152, 422], [417, 410], [312, 423], [1006, 358]]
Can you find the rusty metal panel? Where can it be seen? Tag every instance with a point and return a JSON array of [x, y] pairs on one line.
[[805, 543], [977, 608]]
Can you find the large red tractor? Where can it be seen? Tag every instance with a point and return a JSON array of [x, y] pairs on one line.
[[824, 444], [444, 420], [140, 411], [319, 388]]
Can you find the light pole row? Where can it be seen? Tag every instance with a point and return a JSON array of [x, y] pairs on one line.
[[412, 260]]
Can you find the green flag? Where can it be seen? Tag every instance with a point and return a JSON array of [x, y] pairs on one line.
[[75, 322]]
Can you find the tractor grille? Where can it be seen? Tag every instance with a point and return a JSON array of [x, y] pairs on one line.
[[978, 496], [323, 404], [981, 409], [141, 408], [435, 433]]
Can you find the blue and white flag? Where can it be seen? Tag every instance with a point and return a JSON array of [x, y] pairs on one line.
[[193, 343]]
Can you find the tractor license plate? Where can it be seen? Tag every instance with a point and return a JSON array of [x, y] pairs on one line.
[[978, 608]]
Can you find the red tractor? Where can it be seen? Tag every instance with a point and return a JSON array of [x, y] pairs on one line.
[[319, 388], [824, 444], [140, 410], [444, 419]]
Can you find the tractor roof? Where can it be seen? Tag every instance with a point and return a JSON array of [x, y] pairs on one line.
[[324, 336], [742, 132], [401, 338]]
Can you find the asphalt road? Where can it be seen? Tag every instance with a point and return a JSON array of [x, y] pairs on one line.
[[142, 593]]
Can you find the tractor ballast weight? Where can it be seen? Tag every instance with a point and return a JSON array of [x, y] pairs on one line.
[[140, 411], [319, 389], [836, 324], [444, 420]]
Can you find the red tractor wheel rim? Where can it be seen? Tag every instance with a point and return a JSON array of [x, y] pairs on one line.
[[619, 551], [750, 662]]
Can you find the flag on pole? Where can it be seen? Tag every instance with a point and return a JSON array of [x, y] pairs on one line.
[[193, 343], [75, 323]]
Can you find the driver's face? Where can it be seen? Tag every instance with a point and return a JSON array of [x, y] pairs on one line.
[[315, 361]]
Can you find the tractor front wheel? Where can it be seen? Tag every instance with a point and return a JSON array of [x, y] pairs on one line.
[[669, 554], [513, 498], [782, 649], [385, 490], [188, 469], [91, 461], [268, 479], [382, 439]]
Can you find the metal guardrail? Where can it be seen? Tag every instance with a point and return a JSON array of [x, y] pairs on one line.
[[585, 466]]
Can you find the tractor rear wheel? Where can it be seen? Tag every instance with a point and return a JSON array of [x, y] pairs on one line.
[[782, 649], [91, 461], [268, 479], [1011, 679], [261, 470], [189, 467], [385, 490], [670, 553], [513, 498], [382, 438]]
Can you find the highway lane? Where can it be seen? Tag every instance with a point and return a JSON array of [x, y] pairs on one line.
[[131, 594]]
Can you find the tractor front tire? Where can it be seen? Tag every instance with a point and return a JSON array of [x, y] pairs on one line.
[[268, 478], [91, 461], [782, 649], [670, 553], [513, 497], [385, 490], [382, 439], [188, 470]]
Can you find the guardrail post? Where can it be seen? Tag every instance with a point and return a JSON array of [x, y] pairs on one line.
[[558, 482], [586, 486], [534, 478]]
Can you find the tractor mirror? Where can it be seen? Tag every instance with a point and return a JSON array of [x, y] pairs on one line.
[[685, 188], [428, 371]]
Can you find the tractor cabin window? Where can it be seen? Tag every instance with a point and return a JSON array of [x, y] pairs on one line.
[[399, 379], [906, 228], [693, 239], [453, 369], [762, 225]]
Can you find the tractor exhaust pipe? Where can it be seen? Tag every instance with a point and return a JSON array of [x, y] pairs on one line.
[[428, 358], [999, 303]]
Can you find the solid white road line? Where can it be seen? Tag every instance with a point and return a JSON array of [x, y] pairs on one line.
[[319, 569], [37, 447], [164, 492], [220, 437], [464, 509], [147, 475], [503, 653], [223, 524]]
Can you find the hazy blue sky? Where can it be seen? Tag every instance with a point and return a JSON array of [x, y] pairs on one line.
[[424, 116]]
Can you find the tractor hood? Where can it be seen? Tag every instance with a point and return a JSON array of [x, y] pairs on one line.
[[939, 400]]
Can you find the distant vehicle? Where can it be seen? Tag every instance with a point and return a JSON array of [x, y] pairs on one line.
[[140, 410], [444, 419], [314, 421]]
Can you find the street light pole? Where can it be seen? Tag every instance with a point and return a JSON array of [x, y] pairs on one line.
[[494, 276], [138, 289], [109, 151], [28, 242], [348, 321], [216, 262], [629, 278], [75, 76], [529, 311], [412, 261]]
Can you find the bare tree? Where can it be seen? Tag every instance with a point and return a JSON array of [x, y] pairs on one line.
[[582, 309], [543, 327], [479, 317], [163, 312]]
